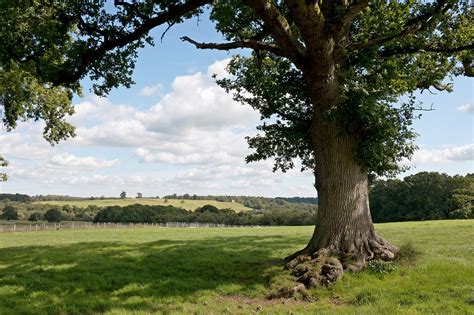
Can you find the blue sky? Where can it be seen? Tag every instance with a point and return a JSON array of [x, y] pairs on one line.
[[175, 131]]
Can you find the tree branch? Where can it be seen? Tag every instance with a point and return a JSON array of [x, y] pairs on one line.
[[310, 21], [351, 12], [244, 43], [280, 29]]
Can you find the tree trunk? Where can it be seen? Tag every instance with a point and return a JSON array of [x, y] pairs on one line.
[[343, 222], [344, 237]]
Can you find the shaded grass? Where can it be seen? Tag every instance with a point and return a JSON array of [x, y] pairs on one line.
[[215, 271], [185, 204]]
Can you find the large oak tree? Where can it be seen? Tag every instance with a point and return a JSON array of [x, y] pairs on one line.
[[326, 76]]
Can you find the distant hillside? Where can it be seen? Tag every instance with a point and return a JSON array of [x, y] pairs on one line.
[[308, 200], [185, 204], [254, 202]]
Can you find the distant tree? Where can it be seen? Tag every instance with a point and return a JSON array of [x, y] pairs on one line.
[[123, 195], [422, 196], [53, 215], [463, 203], [139, 195], [207, 208], [36, 216], [9, 213], [67, 208]]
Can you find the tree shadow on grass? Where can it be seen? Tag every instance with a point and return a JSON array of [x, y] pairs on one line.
[[93, 277]]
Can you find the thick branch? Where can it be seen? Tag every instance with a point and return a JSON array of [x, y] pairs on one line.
[[309, 19], [413, 25], [353, 11], [280, 29], [244, 43], [93, 54]]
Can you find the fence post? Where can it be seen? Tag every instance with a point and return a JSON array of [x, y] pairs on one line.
[[14, 228], [36, 227]]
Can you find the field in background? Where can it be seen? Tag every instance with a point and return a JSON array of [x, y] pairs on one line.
[[185, 204], [217, 271]]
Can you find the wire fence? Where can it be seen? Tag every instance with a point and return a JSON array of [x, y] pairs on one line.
[[37, 227]]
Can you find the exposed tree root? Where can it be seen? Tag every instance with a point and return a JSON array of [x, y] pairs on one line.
[[325, 266]]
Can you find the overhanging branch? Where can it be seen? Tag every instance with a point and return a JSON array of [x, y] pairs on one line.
[[244, 43], [91, 55]]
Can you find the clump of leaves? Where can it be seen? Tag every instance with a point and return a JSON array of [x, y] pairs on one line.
[[407, 254], [381, 267]]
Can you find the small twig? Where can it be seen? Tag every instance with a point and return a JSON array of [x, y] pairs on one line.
[[170, 24]]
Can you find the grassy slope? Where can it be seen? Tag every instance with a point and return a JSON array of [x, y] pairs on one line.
[[187, 204], [213, 271]]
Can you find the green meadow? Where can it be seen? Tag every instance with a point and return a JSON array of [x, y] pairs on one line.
[[224, 271], [185, 204]]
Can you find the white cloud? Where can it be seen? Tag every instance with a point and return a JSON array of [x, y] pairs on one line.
[[70, 160], [150, 90], [466, 108], [25, 142], [196, 102], [187, 159], [455, 154], [218, 68]]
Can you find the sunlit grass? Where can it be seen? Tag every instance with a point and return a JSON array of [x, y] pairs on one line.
[[216, 271]]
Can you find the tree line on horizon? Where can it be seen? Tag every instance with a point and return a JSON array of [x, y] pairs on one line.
[[422, 196]]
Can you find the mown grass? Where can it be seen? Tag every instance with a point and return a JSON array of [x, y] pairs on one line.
[[185, 204], [217, 271]]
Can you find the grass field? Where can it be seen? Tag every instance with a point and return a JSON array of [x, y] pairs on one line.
[[218, 271], [185, 204]]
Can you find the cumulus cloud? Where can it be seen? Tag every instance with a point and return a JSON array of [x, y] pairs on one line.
[[70, 160], [466, 108], [26, 142], [151, 90], [454, 154], [196, 102]]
